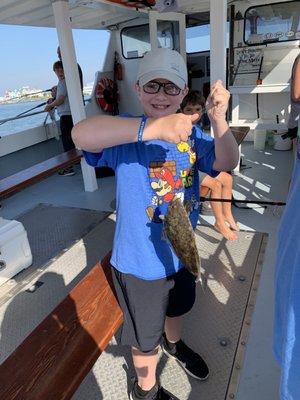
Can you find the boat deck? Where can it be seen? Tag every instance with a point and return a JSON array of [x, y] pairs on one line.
[[267, 179]]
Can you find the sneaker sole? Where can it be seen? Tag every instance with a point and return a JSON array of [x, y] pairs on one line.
[[182, 366]]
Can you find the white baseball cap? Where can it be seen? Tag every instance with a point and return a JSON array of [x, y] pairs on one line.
[[163, 63]]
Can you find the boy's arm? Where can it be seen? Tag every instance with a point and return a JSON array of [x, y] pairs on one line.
[[57, 102], [226, 148], [97, 133]]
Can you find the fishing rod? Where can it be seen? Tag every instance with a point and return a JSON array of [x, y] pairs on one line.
[[22, 113], [21, 116], [262, 202], [33, 108]]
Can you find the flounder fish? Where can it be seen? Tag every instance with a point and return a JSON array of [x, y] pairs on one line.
[[179, 231]]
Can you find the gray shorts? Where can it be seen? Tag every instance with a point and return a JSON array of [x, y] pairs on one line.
[[146, 304]]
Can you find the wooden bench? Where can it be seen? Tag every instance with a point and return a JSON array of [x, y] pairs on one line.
[[31, 175], [54, 359]]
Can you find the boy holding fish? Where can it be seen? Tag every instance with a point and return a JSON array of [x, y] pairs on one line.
[[156, 158]]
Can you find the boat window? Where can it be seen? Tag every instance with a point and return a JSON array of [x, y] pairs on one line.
[[272, 23], [198, 38], [136, 39]]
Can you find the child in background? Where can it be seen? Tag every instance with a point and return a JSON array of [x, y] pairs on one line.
[[61, 102], [220, 186], [156, 158]]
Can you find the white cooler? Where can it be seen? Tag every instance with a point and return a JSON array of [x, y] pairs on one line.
[[15, 253]]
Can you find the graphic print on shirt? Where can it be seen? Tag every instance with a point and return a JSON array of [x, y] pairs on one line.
[[166, 182], [187, 147], [187, 173]]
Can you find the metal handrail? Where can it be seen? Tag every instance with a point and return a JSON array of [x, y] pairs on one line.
[[20, 116]]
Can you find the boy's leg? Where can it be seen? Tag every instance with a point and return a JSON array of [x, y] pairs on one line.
[[66, 125], [144, 305], [173, 328], [227, 181], [216, 192], [145, 367], [181, 300]]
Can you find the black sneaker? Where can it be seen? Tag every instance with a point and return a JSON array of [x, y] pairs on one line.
[[156, 393], [67, 172], [190, 361]]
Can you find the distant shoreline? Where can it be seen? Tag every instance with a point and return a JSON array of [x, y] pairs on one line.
[[24, 100]]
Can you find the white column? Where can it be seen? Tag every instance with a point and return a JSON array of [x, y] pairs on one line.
[[235, 109], [218, 18], [235, 121], [66, 43], [153, 29], [218, 31]]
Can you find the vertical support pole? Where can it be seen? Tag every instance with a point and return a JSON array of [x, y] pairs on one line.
[[218, 21], [218, 31], [153, 29], [66, 43], [235, 109], [182, 35]]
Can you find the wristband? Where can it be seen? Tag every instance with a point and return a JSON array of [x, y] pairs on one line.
[[141, 128]]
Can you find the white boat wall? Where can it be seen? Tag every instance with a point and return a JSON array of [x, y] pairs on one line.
[[264, 43], [260, 106]]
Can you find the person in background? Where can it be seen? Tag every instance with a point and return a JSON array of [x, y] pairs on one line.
[[79, 68], [286, 335], [219, 187], [62, 105], [156, 158]]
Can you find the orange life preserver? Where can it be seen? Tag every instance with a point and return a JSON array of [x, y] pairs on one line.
[[105, 94]]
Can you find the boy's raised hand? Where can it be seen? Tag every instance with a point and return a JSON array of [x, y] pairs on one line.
[[217, 102], [175, 128]]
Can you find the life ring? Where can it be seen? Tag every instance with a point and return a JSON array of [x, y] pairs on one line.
[[106, 95]]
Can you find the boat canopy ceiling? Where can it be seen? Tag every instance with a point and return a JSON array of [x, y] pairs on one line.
[[92, 14], [85, 14]]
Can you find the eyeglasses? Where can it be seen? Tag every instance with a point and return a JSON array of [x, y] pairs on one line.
[[169, 88]]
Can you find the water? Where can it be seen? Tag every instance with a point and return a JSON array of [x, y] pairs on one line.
[[11, 110]]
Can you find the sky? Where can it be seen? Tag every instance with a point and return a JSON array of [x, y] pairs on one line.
[[28, 53]]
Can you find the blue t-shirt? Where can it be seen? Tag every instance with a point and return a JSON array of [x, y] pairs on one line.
[[148, 176], [286, 338]]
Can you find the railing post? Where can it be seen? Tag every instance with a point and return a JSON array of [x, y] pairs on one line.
[[66, 43]]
